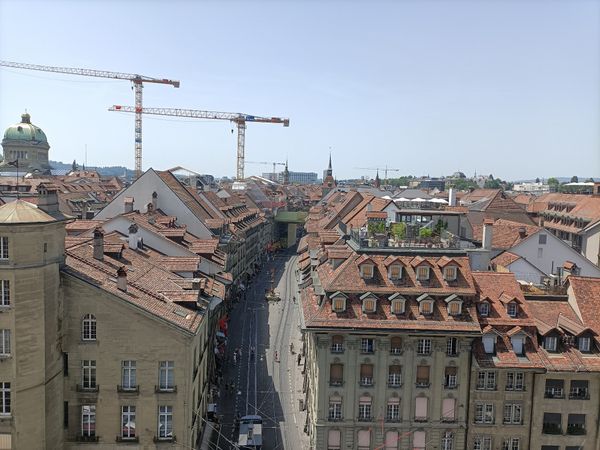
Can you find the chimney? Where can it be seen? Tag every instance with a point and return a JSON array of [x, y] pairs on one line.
[[451, 197], [122, 279], [47, 198], [133, 237], [98, 244], [522, 232], [488, 234], [128, 205], [154, 201]]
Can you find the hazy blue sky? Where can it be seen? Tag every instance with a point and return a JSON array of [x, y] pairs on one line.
[[429, 87]]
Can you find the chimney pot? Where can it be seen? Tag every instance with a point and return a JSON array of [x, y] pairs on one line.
[[98, 244], [522, 232], [122, 279]]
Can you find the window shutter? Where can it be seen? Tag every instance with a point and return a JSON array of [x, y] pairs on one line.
[[395, 370], [448, 408], [451, 370], [423, 374], [337, 371], [396, 342], [419, 439], [366, 370], [335, 439], [391, 440], [364, 438], [421, 407]]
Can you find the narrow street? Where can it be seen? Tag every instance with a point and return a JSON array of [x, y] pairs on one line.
[[267, 379]]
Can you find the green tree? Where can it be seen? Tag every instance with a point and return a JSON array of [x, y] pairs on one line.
[[574, 179], [399, 230], [463, 184], [425, 233], [490, 183], [376, 227]]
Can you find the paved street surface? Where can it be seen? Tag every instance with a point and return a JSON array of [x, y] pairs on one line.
[[263, 385]]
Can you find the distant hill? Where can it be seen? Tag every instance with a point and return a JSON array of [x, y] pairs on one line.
[[110, 171]]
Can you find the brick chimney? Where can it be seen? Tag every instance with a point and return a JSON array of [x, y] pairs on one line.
[[522, 232], [47, 198], [98, 244], [122, 279], [133, 236], [128, 204], [488, 234], [154, 201]]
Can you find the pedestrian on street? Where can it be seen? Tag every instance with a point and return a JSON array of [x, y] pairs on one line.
[[299, 358], [276, 356]]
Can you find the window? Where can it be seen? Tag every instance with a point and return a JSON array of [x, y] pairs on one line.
[[88, 420], [396, 345], [550, 447], [486, 379], [579, 390], [3, 247], [511, 444], [450, 273], [583, 344], [366, 374], [165, 422], [398, 306], [335, 408], [423, 273], [393, 410], [128, 375], [512, 309], [337, 344], [515, 381], [424, 346], [364, 408], [395, 376], [391, 440], [554, 389], [369, 305], [540, 252], [489, 342], [542, 239], [576, 424], [482, 443], [128, 422], [484, 309], [448, 441], [5, 293], [88, 374], [484, 413], [419, 440], [517, 342], [339, 304], [451, 377], [454, 308], [421, 409], [426, 307], [336, 374], [367, 345], [4, 343], [448, 407], [513, 413], [366, 270], [364, 440], [422, 376], [552, 423], [88, 328], [395, 271], [334, 440], [5, 406], [550, 343], [66, 414], [166, 375], [452, 346]]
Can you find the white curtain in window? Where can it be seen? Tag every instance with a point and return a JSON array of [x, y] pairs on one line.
[[448, 408], [364, 438]]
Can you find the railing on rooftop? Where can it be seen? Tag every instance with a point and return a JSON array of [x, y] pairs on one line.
[[365, 240]]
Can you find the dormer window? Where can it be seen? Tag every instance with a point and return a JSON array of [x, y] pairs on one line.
[[484, 309], [369, 302], [454, 305], [550, 343], [583, 344], [338, 302], [425, 304], [517, 341], [450, 273], [489, 343], [423, 273], [395, 272], [398, 305], [366, 271], [512, 309]]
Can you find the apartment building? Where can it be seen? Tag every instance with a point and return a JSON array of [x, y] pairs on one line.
[[104, 344]]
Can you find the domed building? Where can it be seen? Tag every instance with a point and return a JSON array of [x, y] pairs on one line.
[[26, 143]]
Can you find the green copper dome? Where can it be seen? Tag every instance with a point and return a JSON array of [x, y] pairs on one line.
[[25, 132]]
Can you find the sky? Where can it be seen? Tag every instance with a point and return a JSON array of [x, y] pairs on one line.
[[506, 87]]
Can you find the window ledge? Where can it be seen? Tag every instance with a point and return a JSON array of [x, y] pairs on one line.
[[128, 390], [171, 390], [90, 390], [81, 438], [127, 440], [159, 440]]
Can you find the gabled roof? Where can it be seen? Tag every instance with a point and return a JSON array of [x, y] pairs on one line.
[[444, 261], [368, 295]]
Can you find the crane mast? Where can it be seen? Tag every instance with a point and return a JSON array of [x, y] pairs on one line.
[[138, 84], [239, 119]]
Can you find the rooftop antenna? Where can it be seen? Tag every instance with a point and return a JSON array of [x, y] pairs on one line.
[[86, 155]]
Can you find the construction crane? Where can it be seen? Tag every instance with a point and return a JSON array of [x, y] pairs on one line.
[[239, 119], [383, 169], [138, 84], [266, 164]]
